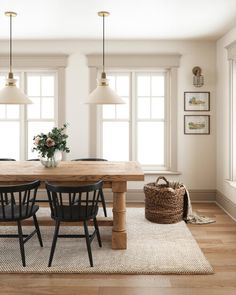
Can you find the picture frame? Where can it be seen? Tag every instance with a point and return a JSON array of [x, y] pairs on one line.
[[196, 101], [197, 124]]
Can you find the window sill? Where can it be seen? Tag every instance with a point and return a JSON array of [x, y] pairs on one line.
[[231, 183], [160, 172]]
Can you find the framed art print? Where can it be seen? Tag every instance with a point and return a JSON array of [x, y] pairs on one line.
[[197, 101], [196, 124]]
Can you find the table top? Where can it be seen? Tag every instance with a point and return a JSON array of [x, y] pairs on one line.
[[71, 171]]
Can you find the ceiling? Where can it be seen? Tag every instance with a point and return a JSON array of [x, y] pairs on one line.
[[129, 19]]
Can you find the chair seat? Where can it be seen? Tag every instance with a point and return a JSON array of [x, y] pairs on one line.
[[73, 213], [17, 216]]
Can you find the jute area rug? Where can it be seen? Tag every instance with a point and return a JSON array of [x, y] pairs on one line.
[[152, 249]]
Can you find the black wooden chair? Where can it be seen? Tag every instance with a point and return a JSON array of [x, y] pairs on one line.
[[17, 202], [89, 159], [73, 204], [102, 198], [7, 159]]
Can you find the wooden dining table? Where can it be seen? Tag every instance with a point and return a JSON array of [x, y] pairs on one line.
[[114, 174]]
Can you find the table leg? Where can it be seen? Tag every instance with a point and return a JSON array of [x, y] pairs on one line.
[[119, 235]]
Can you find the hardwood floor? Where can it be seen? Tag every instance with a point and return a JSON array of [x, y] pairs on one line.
[[217, 241]]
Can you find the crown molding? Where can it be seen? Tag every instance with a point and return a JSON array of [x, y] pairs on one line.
[[135, 60], [35, 61]]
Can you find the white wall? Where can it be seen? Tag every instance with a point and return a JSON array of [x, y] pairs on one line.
[[196, 153], [222, 115], [77, 114]]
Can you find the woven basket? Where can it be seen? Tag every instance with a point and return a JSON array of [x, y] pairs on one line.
[[164, 203]]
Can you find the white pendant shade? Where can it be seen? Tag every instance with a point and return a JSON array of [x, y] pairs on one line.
[[10, 94], [103, 94]]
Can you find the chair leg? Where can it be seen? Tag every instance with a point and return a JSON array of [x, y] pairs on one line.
[[88, 243], [38, 230], [22, 250], [97, 232], [54, 241], [103, 203]]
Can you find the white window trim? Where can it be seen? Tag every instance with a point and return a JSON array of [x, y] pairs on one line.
[[232, 120], [142, 62], [231, 51]]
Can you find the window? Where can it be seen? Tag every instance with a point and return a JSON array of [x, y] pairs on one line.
[[145, 129], [19, 124], [138, 130], [43, 82]]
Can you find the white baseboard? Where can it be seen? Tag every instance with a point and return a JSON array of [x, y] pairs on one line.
[[202, 196], [226, 205], [137, 195]]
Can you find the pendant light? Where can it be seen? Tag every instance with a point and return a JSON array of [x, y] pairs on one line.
[[10, 94], [103, 94]]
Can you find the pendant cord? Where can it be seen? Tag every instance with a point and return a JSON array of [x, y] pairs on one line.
[[10, 43], [103, 44]]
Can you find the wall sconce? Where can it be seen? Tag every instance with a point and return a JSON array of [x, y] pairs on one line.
[[198, 79]]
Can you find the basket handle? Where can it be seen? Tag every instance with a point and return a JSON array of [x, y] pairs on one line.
[[163, 178]]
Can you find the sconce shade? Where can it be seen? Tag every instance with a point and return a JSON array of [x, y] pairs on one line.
[[198, 81], [10, 94]]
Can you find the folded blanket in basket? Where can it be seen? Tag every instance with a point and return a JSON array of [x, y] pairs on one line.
[[188, 202], [192, 217]]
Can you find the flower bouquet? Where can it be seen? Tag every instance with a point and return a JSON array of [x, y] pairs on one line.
[[50, 146]]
